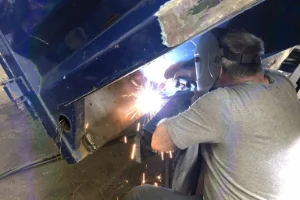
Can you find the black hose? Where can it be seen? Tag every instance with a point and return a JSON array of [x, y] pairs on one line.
[[31, 165]]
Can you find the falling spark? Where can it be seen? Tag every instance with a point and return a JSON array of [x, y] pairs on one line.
[[159, 177], [134, 83], [86, 126], [146, 166], [144, 179], [39, 39], [133, 152], [171, 155], [125, 139], [126, 181], [162, 155], [133, 115], [155, 184], [131, 112], [138, 127]]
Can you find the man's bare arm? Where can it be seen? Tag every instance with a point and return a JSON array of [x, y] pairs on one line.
[[161, 141]]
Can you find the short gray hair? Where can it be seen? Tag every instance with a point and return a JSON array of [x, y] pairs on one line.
[[241, 43]]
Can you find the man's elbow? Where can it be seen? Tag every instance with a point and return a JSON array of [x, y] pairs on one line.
[[161, 141], [163, 147], [155, 143], [154, 146]]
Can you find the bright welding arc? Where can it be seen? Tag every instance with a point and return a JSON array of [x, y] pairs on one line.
[[147, 100]]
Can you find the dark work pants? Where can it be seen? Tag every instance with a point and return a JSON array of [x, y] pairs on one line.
[[150, 192]]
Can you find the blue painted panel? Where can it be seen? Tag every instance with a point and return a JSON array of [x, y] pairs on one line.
[[133, 41], [49, 43]]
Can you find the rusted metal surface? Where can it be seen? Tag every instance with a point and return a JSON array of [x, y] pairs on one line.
[[106, 111], [180, 20]]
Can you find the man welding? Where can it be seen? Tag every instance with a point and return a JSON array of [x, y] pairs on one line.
[[248, 125]]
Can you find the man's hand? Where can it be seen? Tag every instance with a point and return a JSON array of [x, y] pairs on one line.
[[161, 141]]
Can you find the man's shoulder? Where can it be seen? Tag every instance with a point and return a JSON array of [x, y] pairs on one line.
[[219, 93], [279, 78], [275, 75], [216, 96]]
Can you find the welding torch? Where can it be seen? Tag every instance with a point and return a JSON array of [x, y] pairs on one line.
[[178, 103]]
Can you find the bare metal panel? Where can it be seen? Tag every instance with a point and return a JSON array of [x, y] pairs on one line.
[[106, 111]]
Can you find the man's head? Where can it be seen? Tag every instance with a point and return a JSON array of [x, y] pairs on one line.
[[240, 43], [225, 71]]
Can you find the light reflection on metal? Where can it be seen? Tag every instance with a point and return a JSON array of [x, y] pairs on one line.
[[155, 70], [106, 109]]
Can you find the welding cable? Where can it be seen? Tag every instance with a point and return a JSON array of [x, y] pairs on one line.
[[31, 165]]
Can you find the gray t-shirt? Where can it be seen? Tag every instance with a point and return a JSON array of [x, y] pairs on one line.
[[251, 139]]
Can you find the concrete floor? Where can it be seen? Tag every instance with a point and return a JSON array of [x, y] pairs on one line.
[[105, 175]]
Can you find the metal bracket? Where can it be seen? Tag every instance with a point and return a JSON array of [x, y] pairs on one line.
[[14, 92]]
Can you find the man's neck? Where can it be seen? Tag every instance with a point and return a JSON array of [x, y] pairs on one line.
[[259, 78]]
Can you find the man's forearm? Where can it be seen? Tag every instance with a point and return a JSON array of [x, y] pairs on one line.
[[161, 141]]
